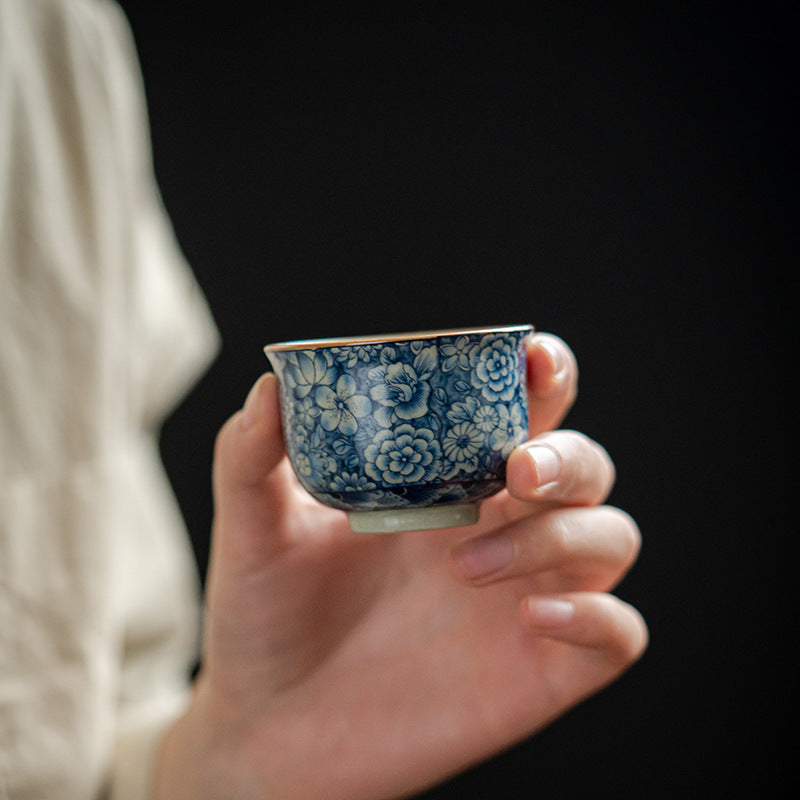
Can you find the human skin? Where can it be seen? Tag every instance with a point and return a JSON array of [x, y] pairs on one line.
[[356, 667]]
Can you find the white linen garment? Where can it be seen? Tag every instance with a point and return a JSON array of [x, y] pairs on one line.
[[102, 329]]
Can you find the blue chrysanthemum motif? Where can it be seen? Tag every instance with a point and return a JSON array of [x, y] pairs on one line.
[[387, 425], [462, 446]]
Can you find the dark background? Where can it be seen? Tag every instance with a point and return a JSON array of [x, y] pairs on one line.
[[616, 175]]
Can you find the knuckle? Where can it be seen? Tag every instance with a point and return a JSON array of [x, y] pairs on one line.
[[634, 642], [573, 442], [587, 455], [560, 537], [626, 635], [628, 532], [583, 447], [621, 535], [606, 463], [598, 461]]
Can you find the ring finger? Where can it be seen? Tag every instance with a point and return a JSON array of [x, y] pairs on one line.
[[570, 549]]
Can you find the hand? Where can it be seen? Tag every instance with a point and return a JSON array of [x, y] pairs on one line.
[[350, 666]]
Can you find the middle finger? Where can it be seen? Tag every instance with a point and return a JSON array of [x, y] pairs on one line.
[[559, 468]]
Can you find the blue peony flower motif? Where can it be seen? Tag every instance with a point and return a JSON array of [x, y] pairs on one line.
[[461, 445], [456, 354], [404, 391], [510, 431], [341, 408], [405, 455], [495, 362], [308, 371]]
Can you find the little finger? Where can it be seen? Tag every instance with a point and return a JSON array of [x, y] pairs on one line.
[[611, 632]]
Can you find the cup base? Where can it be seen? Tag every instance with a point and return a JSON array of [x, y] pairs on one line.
[[413, 519]]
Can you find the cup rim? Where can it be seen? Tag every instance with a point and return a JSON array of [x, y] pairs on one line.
[[389, 338]]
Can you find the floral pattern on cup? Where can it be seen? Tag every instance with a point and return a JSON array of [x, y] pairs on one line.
[[388, 425]]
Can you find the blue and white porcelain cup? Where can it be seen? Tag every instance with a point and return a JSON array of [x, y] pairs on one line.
[[405, 431]]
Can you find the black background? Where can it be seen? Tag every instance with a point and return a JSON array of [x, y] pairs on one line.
[[616, 175]]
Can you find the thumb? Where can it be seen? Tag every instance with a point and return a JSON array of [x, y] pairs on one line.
[[252, 478]]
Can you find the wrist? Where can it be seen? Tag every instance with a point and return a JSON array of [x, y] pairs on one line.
[[198, 758]]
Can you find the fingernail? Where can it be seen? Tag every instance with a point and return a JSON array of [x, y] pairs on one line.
[[559, 359], [547, 463], [548, 612], [480, 558], [252, 406]]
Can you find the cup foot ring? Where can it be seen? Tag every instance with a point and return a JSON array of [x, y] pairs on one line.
[[396, 520]]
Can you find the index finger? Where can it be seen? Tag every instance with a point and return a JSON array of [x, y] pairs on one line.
[[552, 382]]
